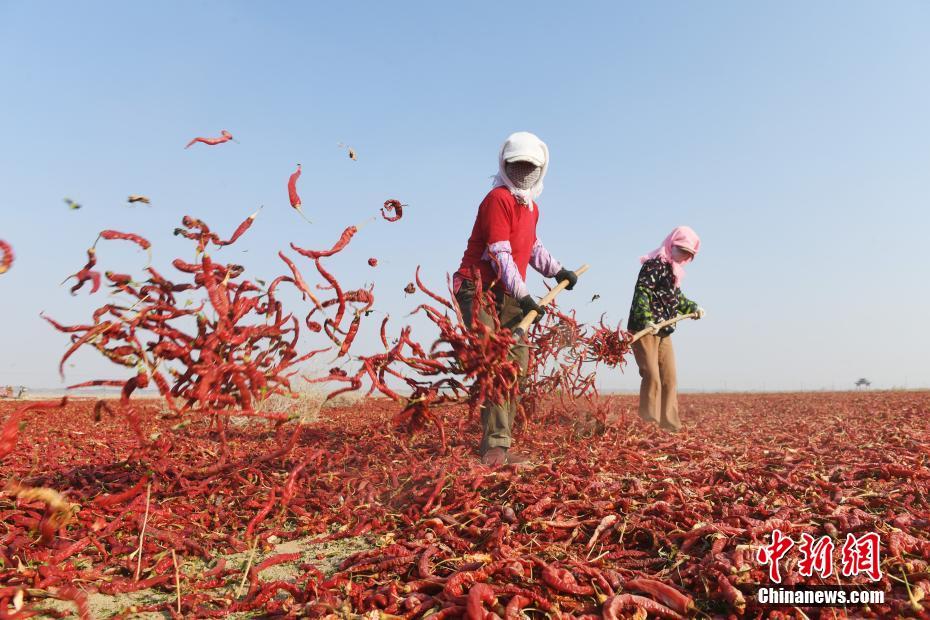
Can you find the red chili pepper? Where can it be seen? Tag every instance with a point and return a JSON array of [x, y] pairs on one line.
[[258, 518], [123, 496], [87, 273], [666, 594], [616, 604], [479, 595], [6, 256], [225, 136], [299, 281], [343, 241], [396, 207], [115, 234], [372, 262], [353, 330], [292, 193], [240, 230]]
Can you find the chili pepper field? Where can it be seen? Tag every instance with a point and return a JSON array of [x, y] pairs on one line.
[[612, 518]]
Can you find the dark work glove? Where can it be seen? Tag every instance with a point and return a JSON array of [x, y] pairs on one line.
[[527, 303], [565, 274]]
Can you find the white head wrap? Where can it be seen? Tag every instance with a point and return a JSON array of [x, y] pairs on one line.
[[522, 146]]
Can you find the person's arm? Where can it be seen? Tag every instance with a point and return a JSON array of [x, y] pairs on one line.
[[504, 266], [641, 313], [685, 305], [543, 262]]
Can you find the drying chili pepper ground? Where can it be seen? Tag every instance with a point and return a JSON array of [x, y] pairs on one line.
[[616, 522], [227, 498]]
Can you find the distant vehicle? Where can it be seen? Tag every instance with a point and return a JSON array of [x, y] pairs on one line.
[[863, 382]]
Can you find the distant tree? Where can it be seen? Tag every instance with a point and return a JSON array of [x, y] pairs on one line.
[[863, 382]]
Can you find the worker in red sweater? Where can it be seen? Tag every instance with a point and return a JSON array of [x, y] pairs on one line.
[[503, 243]]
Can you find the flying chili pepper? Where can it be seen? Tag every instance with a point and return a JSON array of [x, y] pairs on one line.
[[410, 289], [594, 297], [392, 206], [139, 198], [292, 193], [112, 235], [240, 230], [72, 205], [372, 262], [225, 136], [87, 273], [342, 242], [6, 256]]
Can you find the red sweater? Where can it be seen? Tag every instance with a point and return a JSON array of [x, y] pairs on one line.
[[500, 218]]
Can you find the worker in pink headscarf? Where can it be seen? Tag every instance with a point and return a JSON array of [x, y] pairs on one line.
[[657, 298]]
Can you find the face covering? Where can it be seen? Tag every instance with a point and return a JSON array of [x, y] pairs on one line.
[[523, 174], [520, 151], [682, 236]]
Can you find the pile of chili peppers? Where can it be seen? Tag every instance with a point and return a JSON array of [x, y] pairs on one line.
[[627, 522]]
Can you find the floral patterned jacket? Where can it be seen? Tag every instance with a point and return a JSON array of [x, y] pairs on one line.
[[656, 297]]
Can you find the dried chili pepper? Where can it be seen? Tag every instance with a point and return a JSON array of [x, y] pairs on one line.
[[6, 256], [137, 239], [392, 206], [87, 274], [225, 136], [372, 262], [340, 245], [353, 330], [293, 195]]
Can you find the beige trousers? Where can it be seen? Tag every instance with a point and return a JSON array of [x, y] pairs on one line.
[[658, 393]]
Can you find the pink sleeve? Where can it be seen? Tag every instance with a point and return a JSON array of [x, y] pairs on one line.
[[501, 256], [542, 261]]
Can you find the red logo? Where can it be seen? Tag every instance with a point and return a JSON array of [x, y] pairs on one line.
[[773, 553]]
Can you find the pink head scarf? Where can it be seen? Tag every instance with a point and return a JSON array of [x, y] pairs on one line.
[[681, 236]]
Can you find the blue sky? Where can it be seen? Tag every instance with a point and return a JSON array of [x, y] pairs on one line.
[[793, 136]]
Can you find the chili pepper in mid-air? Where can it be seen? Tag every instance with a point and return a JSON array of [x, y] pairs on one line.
[[87, 273], [292, 193], [353, 330], [372, 262], [392, 206], [72, 205], [225, 136], [111, 235], [6, 256], [240, 230], [138, 198], [343, 241], [410, 289]]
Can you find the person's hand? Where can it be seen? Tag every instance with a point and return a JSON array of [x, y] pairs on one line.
[[527, 303], [700, 313], [653, 327], [565, 274]]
